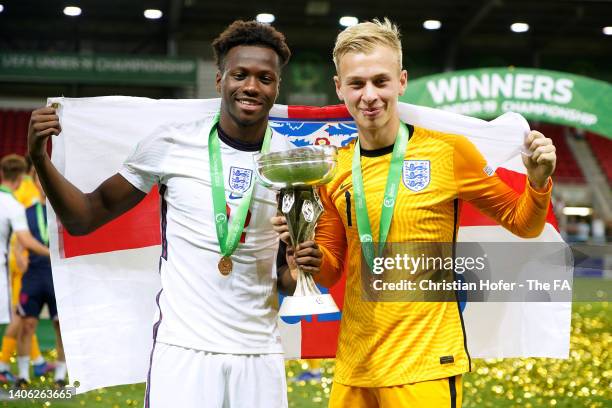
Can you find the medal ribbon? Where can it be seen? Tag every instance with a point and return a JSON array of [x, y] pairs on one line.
[[361, 210], [5, 189], [42, 224], [228, 240]]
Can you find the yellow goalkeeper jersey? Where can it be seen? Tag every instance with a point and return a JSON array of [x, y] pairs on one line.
[[392, 343], [27, 193]]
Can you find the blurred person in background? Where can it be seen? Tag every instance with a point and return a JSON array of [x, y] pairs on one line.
[[27, 194], [36, 291], [12, 221], [598, 229], [583, 230]]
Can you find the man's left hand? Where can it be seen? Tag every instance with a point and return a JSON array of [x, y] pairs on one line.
[[540, 160]]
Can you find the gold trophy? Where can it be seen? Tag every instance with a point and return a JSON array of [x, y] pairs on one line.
[[296, 173]]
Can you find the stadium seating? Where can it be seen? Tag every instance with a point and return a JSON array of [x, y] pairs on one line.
[[568, 170], [602, 149], [13, 131]]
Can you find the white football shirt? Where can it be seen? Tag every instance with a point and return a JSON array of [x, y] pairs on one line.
[[199, 307], [12, 218]]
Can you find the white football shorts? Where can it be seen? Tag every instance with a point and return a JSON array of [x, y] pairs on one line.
[[188, 378]]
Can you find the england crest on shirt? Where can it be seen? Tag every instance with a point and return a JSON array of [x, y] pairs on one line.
[[239, 181], [416, 174]]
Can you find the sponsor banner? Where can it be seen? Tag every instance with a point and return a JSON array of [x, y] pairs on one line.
[[98, 69], [549, 96]]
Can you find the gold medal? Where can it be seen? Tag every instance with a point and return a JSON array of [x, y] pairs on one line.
[[225, 265]]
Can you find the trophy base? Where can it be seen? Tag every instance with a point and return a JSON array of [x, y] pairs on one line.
[[307, 305]]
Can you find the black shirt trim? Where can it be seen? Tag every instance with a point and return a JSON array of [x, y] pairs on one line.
[[238, 144], [384, 150]]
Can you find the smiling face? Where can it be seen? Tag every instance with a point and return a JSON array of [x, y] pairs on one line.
[[248, 85], [370, 84]]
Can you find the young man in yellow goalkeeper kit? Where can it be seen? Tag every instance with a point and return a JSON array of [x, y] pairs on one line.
[[404, 354]]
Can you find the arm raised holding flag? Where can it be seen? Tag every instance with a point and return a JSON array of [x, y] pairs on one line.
[[80, 213]]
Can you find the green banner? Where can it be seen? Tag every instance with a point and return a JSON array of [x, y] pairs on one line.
[[97, 69], [549, 96]]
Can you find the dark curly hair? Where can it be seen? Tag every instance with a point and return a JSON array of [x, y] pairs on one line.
[[250, 33]]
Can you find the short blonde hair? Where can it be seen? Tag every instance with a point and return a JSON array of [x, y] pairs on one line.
[[364, 37]]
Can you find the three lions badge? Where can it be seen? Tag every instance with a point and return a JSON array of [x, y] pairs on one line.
[[239, 181], [416, 174]]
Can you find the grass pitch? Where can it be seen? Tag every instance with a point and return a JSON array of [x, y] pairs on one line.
[[584, 380]]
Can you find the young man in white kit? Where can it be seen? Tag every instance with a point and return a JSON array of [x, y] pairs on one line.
[[216, 343], [12, 220]]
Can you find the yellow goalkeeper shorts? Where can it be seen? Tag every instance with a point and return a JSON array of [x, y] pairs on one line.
[[442, 393], [15, 276]]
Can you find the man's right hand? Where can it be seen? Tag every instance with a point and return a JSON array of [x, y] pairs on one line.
[[44, 122], [308, 257]]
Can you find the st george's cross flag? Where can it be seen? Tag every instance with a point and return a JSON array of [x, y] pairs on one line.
[[106, 282]]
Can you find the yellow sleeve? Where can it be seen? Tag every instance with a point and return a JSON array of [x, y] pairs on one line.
[[330, 236], [522, 214], [27, 193]]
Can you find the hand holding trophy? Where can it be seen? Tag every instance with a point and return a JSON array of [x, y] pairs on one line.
[[296, 174]]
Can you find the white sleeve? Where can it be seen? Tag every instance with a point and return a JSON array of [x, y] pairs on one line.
[[143, 168], [17, 216]]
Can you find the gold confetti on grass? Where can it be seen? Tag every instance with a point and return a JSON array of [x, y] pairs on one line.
[[584, 380]]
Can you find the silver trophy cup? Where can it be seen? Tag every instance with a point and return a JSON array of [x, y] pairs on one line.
[[296, 174]]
